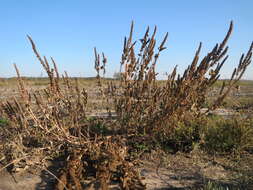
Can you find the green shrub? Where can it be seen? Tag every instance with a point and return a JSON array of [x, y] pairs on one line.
[[183, 136], [3, 122], [215, 186], [228, 135]]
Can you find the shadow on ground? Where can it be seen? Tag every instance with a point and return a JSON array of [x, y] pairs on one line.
[[162, 179]]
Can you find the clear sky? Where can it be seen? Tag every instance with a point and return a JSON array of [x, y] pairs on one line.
[[68, 30]]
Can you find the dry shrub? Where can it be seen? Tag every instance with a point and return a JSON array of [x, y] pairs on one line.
[[44, 119], [51, 123], [100, 165], [145, 106]]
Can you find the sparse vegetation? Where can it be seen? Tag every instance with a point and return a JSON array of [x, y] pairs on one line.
[[55, 122], [228, 135]]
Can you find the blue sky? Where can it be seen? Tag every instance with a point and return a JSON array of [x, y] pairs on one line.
[[68, 30]]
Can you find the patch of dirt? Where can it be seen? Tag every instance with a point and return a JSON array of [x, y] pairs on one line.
[[24, 180], [179, 171]]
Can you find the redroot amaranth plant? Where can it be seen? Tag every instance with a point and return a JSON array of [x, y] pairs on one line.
[[146, 106], [45, 124], [51, 123]]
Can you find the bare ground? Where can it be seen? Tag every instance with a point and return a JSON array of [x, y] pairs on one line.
[[178, 171]]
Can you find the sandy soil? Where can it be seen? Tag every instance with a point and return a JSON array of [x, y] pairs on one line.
[[176, 172]]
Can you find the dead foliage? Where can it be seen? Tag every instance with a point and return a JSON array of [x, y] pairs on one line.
[[100, 165], [143, 105], [51, 123]]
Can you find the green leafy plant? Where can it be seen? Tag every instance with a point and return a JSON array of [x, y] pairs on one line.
[[228, 135]]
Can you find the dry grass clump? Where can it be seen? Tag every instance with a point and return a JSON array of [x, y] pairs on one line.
[[52, 123]]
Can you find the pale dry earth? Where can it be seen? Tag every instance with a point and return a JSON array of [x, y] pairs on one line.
[[179, 171]]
